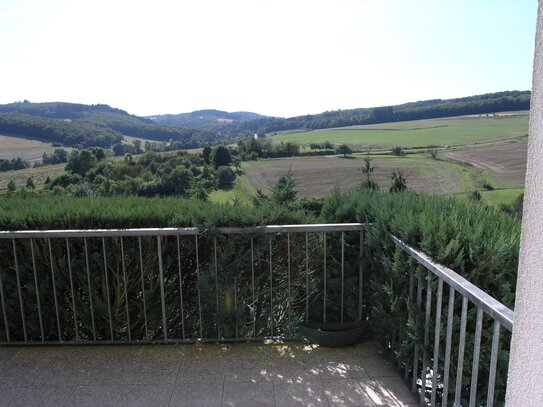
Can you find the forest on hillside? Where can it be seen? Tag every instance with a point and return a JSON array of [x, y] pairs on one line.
[[79, 125]]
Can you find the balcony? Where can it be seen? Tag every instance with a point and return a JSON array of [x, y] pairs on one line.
[[185, 316]]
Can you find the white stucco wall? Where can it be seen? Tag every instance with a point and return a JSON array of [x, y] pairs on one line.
[[525, 381]]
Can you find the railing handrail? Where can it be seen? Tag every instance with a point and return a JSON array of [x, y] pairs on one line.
[[487, 303], [188, 231]]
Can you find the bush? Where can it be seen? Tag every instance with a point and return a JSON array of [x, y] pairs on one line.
[[225, 177], [398, 150]]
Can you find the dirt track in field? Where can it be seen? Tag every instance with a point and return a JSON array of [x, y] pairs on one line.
[[504, 162]]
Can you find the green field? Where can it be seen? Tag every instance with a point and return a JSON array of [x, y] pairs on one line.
[[419, 133], [241, 191], [502, 196]]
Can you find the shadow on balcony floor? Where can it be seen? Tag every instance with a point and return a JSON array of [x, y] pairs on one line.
[[233, 375]]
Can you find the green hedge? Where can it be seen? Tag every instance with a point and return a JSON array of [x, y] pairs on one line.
[[27, 212]]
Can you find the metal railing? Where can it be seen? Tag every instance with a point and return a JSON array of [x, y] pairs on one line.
[[177, 284], [430, 370]]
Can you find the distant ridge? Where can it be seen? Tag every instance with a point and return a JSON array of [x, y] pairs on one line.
[[74, 124], [211, 120]]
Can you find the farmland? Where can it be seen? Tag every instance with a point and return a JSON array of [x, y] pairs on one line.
[[38, 174], [28, 149], [505, 163], [452, 131], [317, 176]]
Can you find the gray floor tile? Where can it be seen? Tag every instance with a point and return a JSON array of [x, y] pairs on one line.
[[10, 395], [377, 393], [151, 372], [45, 396], [21, 372], [109, 373], [293, 351], [308, 394], [342, 370], [163, 353], [247, 370], [202, 371], [195, 375], [151, 395], [398, 390], [347, 393], [378, 367], [60, 373], [90, 396], [197, 395], [206, 352], [248, 351], [295, 370], [248, 394]]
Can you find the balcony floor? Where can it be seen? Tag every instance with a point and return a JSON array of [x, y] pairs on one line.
[[249, 374]]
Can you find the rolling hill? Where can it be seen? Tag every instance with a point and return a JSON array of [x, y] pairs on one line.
[[219, 121], [73, 124]]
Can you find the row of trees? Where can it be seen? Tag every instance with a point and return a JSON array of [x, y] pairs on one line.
[[13, 164]]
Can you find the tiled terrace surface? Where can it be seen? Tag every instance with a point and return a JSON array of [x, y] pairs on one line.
[[252, 375]]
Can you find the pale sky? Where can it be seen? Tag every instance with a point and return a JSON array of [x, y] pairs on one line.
[[280, 57]]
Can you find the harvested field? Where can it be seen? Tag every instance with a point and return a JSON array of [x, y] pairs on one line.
[[506, 163], [29, 150], [317, 176]]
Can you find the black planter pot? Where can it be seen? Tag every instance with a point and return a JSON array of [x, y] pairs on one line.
[[334, 335]]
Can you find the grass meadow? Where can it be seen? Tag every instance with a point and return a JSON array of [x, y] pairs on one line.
[[451, 131]]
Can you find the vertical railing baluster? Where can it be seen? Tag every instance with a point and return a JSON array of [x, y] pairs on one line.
[[180, 288], [306, 277], [437, 336], [360, 274], [253, 286], [236, 307], [89, 288], [36, 285], [143, 290], [342, 271], [417, 324], [448, 346], [216, 267], [162, 294], [107, 289], [271, 288], [70, 275], [54, 288], [198, 288], [19, 290], [461, 347], [4, 310], [288, 285], [125, 283], [493, 365], [425, 363], [324, 277], [476, 353], [411, 316]]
